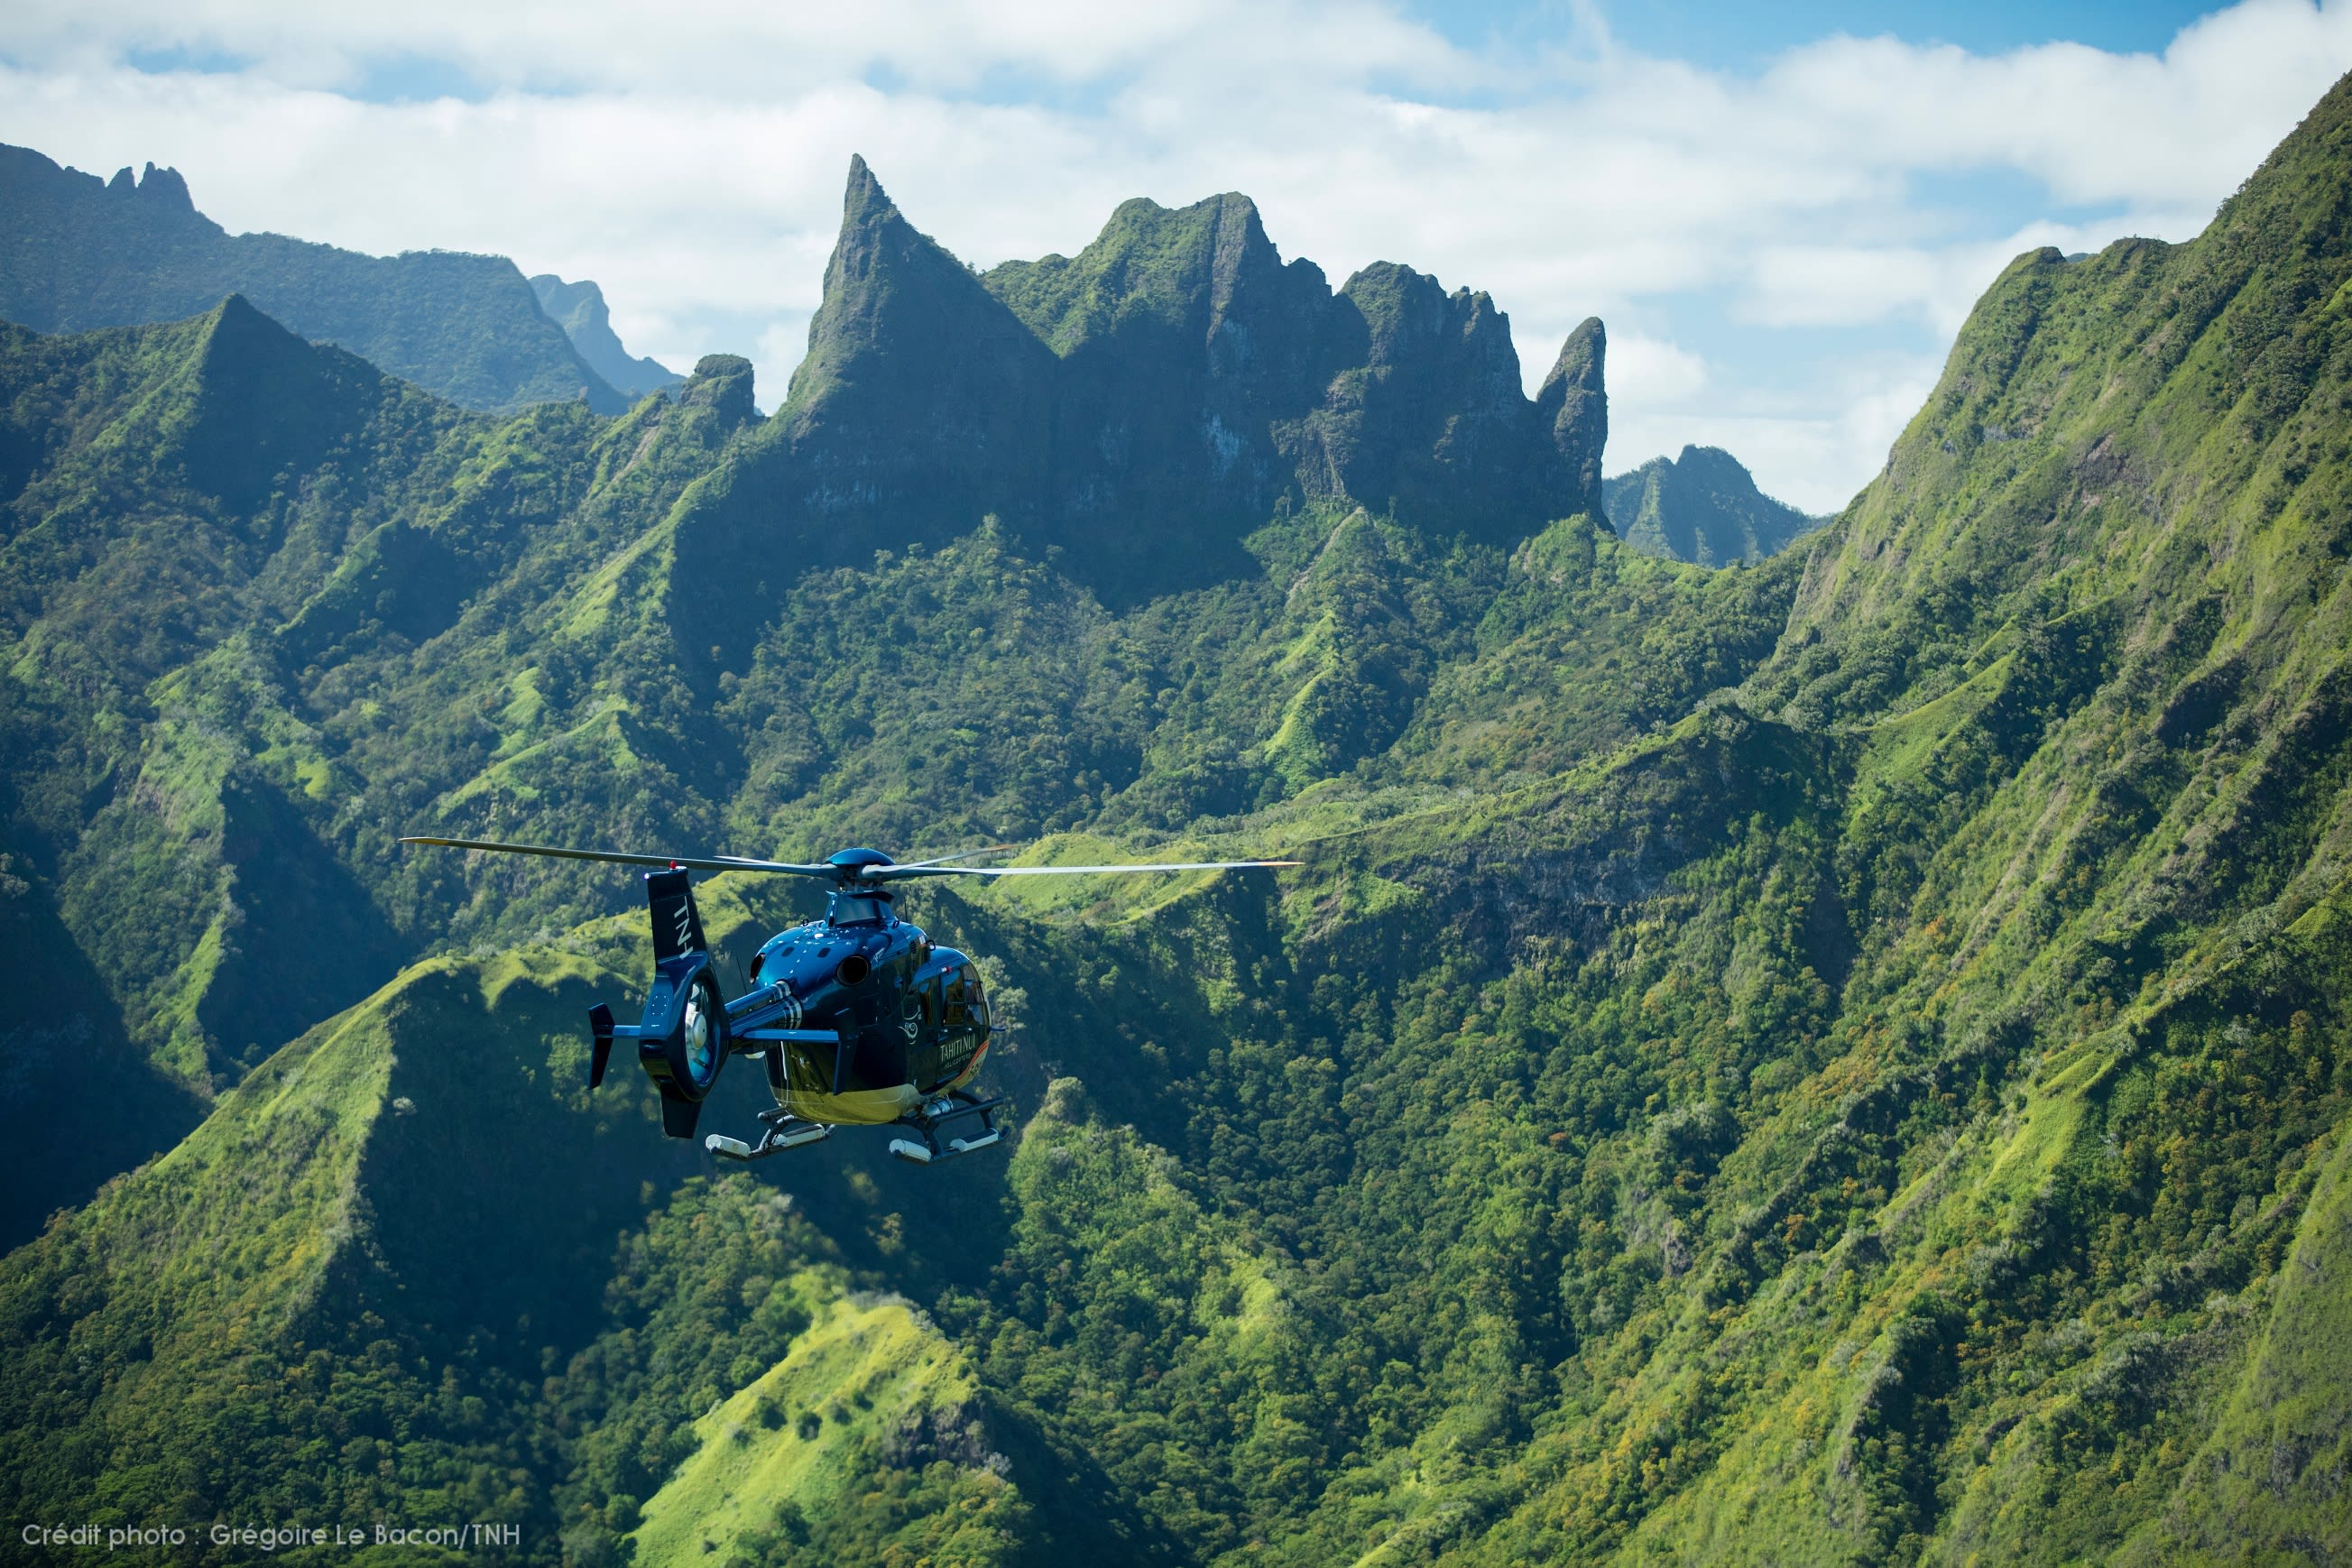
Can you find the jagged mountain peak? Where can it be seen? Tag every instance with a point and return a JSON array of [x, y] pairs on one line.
[[904, 330], [1189, 268], [1577, 367], [167, 188], [1401, 303], [1175, 369], [1573, 404], [1701, 506], [863, 202], [873, 229]]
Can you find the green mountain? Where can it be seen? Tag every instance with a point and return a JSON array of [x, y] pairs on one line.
[[76, 253], [1844, 1060], [1702, 507], [1176, 370], [579, 308]]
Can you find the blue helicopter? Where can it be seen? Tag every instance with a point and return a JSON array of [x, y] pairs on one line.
[[861, 1019]]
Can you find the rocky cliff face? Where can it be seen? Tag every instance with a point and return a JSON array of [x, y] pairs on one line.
[[922, 398], [1175, 374]]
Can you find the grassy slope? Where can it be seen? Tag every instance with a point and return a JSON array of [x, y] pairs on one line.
[[2090, 791], [2268, 1478], [804, 1440], [190, 1287]]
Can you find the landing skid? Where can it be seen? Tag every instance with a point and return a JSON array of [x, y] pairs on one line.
[[936, 1114], [784, 1130]]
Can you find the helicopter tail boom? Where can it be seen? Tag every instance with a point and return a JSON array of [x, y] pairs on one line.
[[684, 1038]]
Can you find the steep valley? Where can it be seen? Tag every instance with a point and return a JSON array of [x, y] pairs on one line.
[[1840, 1058]]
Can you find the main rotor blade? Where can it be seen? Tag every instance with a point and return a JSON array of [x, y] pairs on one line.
[[846, 876], [950, 859], [692, 862], [893, 873]]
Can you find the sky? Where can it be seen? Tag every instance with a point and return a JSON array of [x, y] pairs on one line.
[[1782, 212]]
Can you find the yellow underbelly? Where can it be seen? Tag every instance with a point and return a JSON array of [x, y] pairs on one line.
[[858, 1107]]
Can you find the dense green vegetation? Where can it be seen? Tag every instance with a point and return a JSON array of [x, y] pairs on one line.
[[1838, 1059], [77, 252]]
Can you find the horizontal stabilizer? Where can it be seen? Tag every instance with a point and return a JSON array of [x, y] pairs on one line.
[[791, 1037]]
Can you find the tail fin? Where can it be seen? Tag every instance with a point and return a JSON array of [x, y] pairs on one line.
[[678, 924]]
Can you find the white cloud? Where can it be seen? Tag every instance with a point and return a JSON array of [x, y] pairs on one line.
[[691, 162], [1646, 372], [1851, 285], [1814, 460]]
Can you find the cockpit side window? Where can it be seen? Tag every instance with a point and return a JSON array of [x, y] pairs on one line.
[[962, 1021], [966, 1008]]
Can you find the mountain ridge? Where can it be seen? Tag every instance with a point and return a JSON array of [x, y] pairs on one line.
[[1176, 368], [76, 253], [580, 309]]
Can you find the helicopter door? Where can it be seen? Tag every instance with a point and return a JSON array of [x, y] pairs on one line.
[[922, 1010], [881, 1058]]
